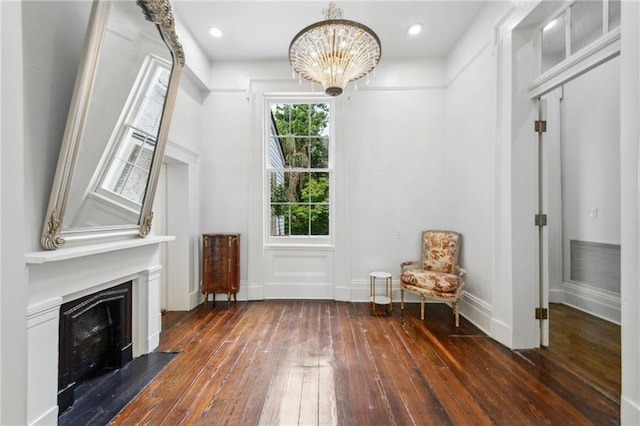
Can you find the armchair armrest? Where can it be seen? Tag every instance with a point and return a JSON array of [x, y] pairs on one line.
[[408, 263], [461, 272]]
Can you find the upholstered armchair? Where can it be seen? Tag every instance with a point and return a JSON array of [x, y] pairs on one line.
[[437, 276]]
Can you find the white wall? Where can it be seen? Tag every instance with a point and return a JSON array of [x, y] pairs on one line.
[[182, 207], [13, 289], [591, 155], [469, 197], [224, 174], [590, 121], [395, 177]]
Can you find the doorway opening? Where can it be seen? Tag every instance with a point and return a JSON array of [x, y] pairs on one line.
[[580, 248]]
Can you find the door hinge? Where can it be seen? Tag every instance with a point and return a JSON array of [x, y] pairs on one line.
[[541, 220], [540, 126], [542, 313]]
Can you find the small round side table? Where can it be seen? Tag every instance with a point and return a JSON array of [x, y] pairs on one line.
[[380, 299]]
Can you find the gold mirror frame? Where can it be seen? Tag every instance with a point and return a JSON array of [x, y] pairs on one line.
[[159, 13]]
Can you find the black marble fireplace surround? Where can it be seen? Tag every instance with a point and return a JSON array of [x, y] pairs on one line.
[[95, 335]]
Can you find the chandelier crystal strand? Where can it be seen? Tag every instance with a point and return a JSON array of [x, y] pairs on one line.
[[334, 52]]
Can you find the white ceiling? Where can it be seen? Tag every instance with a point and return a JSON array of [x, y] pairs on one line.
[[262, 30]]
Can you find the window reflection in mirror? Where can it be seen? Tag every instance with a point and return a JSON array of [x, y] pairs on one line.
[[134, 139]]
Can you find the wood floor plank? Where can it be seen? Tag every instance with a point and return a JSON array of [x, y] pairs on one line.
[[333, 363]]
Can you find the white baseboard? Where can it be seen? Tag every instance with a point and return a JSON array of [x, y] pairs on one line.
[[50, 417], [629, 412], [501, 332], [321, 291], [153, 342], [342, 294], [195, 298], [477, 311], [595, 301], [556, 295]]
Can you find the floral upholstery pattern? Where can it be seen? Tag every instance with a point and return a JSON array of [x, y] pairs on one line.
[[439, 251], [440, 277], [437, 282]]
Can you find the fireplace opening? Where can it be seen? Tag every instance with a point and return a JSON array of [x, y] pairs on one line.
[[95, 337]]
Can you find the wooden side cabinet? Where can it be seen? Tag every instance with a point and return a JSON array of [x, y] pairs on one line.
[[220, 265]]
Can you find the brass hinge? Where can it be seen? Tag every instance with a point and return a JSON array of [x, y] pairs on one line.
[[540, 126], [541, 220], [542, 313]]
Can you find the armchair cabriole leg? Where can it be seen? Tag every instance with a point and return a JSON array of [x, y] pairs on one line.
[[422, 308], [456, 312], [401, 298]]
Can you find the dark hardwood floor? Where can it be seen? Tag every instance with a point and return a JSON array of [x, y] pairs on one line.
[[586, 345], [323, 363]]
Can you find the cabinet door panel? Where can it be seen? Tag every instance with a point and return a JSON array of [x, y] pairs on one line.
[[221, 263]]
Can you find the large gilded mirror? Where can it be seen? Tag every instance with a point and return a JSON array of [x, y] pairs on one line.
[[117, 126]]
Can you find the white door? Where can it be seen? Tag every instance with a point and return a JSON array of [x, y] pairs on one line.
[[550, 204]]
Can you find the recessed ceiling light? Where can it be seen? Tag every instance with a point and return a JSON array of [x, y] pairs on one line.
[[415, 29], [216, 32]]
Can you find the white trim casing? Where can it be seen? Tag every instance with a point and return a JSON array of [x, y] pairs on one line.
[[590, 57]]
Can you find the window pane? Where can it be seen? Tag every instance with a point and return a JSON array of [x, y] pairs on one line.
[[276, 155], [614, 14], [278, 187], [300, 219], [279, 220], [319, 151], [145, 157], [586, 23], [317, 188], [282, 119], [289, 187], [135, 185], [553, 43], [320, 220], [296, 152], [318, 119]]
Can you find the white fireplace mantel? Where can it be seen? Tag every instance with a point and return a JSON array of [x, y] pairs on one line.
[[46, 256], [56, 277]]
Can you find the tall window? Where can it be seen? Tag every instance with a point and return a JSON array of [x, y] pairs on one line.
[[127, 174], [299, 169]]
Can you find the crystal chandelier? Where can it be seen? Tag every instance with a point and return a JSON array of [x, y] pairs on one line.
[[335, 51]]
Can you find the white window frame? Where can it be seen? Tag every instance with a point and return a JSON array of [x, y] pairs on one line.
[[297, 240]]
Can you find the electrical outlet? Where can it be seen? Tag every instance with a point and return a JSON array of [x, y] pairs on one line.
[[398, 234], [593, 213]]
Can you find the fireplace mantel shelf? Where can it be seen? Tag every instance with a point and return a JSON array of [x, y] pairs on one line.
[[44, 256]]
